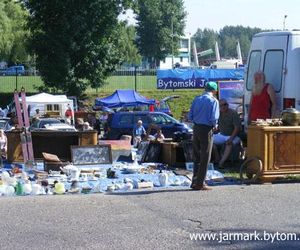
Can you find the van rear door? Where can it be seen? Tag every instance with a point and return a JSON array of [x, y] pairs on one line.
[[268, 53]]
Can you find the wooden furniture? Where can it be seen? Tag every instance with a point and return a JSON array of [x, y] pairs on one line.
[[54, 142], [172, 154], [277, 149]]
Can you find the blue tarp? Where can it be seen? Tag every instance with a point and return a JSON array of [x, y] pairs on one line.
[[195, 78], [123, 98]]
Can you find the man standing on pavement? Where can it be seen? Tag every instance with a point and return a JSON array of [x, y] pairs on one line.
[[204, 113]]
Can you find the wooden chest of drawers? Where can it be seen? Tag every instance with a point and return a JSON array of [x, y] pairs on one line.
[[277, 147]]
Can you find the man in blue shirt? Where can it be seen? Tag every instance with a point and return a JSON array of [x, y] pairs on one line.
[[138, 133], [204, 113]]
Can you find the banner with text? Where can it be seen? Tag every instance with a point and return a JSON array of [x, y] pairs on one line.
[[195, 78]]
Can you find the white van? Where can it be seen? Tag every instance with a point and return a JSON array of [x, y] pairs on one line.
[[277, 54]]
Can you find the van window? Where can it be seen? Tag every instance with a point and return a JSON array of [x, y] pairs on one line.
[[49, 107], [142, 117], [158, 119], [273, 66], [254, 62], [56, 107], [162, 119], [52, 107], [125, 119]]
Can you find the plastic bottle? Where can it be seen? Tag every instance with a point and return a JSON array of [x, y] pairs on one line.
[[20, 188], [210, 166], [163, 178]]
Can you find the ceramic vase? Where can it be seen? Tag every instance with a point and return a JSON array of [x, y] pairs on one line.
[[163, 179]]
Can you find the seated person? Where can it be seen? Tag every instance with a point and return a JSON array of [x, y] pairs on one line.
[[229, 127], [159, 135], [86, 126], [139, 133]]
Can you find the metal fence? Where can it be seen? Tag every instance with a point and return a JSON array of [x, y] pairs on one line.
[[133, 78]]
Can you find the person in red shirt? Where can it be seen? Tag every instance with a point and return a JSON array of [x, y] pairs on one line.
[[263, 99], [69, 114]]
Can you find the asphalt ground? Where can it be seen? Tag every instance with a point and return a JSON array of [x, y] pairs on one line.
[[240, 217]]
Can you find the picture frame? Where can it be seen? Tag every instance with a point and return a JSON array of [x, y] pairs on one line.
[[233, 92], [91, 154], [120, 149]]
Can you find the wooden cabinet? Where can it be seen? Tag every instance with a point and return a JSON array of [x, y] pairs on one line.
[[277, 147], [172, 154], [54, 142]]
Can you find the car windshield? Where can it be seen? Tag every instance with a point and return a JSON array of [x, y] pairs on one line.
[[42, 123], [2, 124]]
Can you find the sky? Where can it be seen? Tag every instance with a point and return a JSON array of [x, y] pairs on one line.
[[264, 14]]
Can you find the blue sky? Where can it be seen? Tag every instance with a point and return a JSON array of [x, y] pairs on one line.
[[215, 14], [264, 14]]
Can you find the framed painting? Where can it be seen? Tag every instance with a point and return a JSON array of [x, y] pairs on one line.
[[120, 149], [94, 154], [233, 92]]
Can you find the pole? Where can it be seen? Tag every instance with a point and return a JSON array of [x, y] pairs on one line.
[[16, 78], [285, 16], [135, 75], [172, 29]]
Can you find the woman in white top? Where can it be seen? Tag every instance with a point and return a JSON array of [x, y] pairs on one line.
[[3, 143]]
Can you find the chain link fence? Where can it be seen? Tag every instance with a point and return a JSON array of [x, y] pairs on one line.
[[133, 78]]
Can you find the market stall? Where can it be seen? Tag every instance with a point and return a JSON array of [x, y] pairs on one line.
[[55, 142]]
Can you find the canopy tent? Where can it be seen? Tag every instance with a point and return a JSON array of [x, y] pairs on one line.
[[48, 98], [124, 98], [39, 101]]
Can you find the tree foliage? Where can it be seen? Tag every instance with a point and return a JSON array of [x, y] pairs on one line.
[[128, 44], [76, 42], [12, 32], [160, 23], [227, 38]]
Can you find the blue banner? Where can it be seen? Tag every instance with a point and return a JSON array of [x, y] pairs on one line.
[[195, 78]]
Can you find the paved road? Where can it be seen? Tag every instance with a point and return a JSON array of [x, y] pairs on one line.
[[153, 220]]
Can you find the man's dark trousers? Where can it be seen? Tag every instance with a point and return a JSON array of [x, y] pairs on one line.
[[202, 146]]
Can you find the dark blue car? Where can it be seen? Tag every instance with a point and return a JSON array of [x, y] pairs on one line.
[[14, 70], [122, 123]]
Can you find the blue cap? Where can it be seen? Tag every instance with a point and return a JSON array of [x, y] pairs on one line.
[[211, 86]]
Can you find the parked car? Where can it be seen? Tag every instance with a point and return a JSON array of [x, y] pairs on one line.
[[163, 106], [14, 70], [122, 123], [4, 124], [50, 124]]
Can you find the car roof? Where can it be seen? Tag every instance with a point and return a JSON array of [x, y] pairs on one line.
[[48, 119], [139, 112]]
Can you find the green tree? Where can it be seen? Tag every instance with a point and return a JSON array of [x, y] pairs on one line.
[[205, 39], [160, 23], [76, 43], [13, 32], [229, 35], [128, 45]]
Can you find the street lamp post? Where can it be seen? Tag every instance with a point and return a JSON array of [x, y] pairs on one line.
[[172, 29], [285, 16]]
